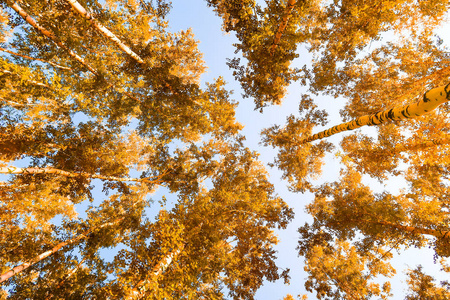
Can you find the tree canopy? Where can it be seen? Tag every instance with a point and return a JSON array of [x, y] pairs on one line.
[[102, 105]]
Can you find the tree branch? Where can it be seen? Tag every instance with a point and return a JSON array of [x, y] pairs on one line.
[[5, 276], [282, 27], [51, 36], [50, 170], [33, 58]]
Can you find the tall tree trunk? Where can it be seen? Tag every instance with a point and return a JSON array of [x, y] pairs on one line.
[[64, 279], [34, 58], [142, 286], [409, 146], [108, 34], [51, 36], [55, 39], [49, 170], [5, 276], [436, 233], [282, 26], [431, 99], [422, 145], [30, 81]]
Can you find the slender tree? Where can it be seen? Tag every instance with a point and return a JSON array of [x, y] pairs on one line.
[[17, 269], [49, 170], [377, 92], [282, 26], [108, 34], [431, 99], [50, 35]]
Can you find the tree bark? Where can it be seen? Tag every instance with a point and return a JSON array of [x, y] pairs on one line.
[[5, 276], [30, 81], [142, 286], [106, 33], [431, 99], [33, 58], [436, 233], [55, 39], [51, 36], [49, 170], [282, 27]]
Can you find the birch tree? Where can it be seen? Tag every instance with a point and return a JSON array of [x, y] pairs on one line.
[[76, 74], [220, 235], [385, 88], [431, 100], [106, 226], [17, 269]]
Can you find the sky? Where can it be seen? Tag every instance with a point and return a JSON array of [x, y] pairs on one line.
[[217, 46]]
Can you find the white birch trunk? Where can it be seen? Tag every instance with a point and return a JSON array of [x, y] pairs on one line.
[[431, 99], [5, 276], [108, 34], [49, 170], [55, 39], [51, 36], [139, 291]]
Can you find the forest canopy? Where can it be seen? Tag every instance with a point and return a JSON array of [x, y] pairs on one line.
[[124, 175]]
